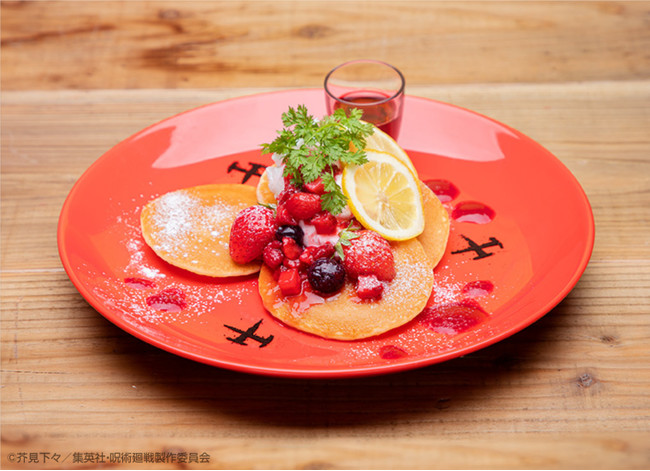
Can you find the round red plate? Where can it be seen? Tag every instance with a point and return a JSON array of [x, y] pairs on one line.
[[521, 236]]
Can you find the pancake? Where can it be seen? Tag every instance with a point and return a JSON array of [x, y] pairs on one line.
[[436, 226], [344, 316], [190, 228]]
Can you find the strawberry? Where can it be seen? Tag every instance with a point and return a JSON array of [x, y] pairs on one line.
[[253, 228], [290, 248], [303, 205], [369, 254], [324, 222], [369, 287], [283, 217], [313, 253], [290, 282], [316, 186]]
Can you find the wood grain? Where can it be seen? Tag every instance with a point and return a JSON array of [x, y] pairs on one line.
[[162, 44], [569, 392], [575, 383]]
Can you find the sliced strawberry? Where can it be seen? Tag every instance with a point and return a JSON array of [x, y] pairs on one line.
[[253, 228], [303, 206], [369, 287], [283, 217], [291, 248], [317, 186], [290, 282], [369, 254], [289, 190], [324, 222], [325, 250]]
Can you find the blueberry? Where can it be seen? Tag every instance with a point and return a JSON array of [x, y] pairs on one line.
[[295, 232], [326, 275]]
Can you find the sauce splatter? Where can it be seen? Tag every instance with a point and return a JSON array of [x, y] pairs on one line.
[[474, 212], [139, 283], [168, 300], [453, 318], [475, 289], [443, 189], [391, 352]]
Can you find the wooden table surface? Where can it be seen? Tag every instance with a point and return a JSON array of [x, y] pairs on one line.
[[570, 391]]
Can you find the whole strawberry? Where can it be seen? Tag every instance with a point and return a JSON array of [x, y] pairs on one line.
[[369, 254], [253, 228]]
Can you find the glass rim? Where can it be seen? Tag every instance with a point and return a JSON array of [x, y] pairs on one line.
[[399, 92]]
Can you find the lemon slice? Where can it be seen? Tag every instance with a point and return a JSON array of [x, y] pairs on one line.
[[382, 142], [384, 195]]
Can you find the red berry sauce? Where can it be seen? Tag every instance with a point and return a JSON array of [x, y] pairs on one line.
[[453, 318], [475, 289], [474, 212], [443, 189], [168, 300], [139, 283], [391, 352]]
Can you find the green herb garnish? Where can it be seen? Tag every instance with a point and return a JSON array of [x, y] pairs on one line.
[[345, 238], [312, 149]]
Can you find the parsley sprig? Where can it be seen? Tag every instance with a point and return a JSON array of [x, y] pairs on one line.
[[345, 239], [313, 148]]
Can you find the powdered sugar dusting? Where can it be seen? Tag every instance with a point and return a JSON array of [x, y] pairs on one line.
[[179, 214]]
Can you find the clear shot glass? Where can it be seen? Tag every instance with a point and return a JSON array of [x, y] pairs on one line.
[[374, 87]]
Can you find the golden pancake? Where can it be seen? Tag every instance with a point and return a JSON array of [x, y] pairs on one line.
[[344, 316], [436, 226], [190, 228]]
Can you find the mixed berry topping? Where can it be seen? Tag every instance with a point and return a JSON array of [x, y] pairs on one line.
[[294, 232], [361, 257]]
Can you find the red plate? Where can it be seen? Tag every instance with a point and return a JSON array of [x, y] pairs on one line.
[[521, 236]]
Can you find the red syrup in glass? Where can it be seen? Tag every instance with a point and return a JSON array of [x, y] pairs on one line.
[[443, 189], [139, 283], [453, 318], [473, 211], [168, 300], [383, 114]]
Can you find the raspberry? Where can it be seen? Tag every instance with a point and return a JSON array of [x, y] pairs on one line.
[[369, 254], [290, 282], [326, 275], [272, 255], [369, 287]]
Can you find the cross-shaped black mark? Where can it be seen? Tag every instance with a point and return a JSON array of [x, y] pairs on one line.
[[249, 334], [256, 169], [474, 247]]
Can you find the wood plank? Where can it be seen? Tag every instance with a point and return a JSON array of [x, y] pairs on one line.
[[196, 44]]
